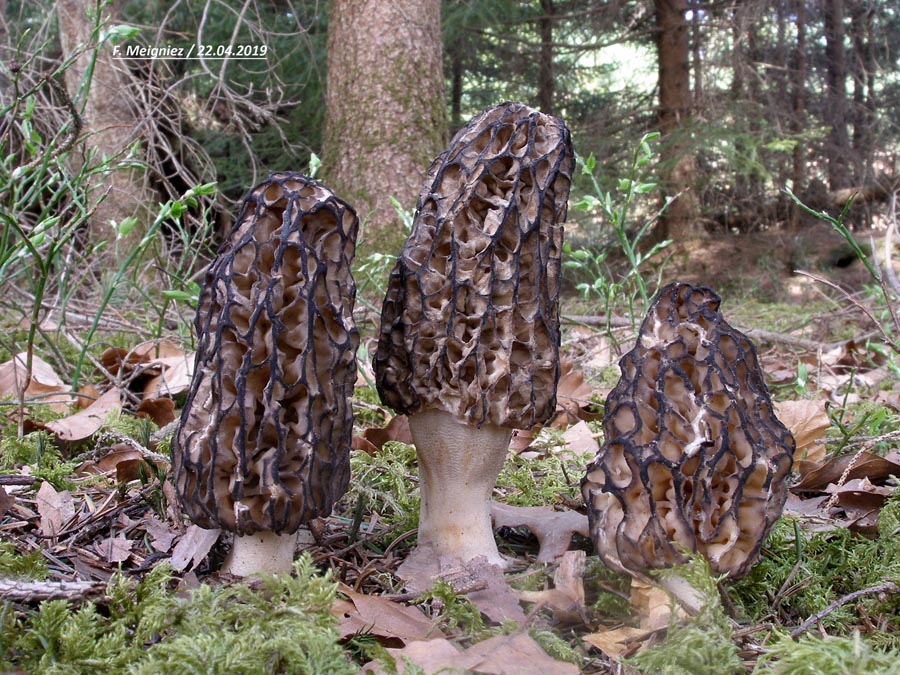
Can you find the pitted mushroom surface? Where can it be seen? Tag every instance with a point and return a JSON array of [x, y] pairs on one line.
[[693, 455], [469, 337], [262, 445]]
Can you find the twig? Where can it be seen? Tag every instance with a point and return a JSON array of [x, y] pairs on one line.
[[887, 587], [18, 590]]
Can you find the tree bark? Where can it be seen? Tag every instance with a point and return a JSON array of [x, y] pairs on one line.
[[838, 150], [111, 127], [798, 105], [384, 109], [678, 165], [545, 72]]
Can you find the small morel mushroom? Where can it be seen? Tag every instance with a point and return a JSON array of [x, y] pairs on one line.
[[262, 446], [469, 336], [693, 457]]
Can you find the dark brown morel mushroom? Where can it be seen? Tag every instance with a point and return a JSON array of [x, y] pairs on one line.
[[263, 442], [693, 456], [470, 326]]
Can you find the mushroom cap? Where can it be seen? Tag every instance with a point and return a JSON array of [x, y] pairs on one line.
[[693, 457], [264, 437], [470, 322]]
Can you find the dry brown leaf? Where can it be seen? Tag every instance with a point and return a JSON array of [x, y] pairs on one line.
[[193, 547], [566, 598], [175, 377], [55, 508], [161, 411], [572, 396], [397, 429], [432, 656], [815, 477], [6, 502], [161, 534], [553, 529], [85, 423], [516, 654], [496, 600], [115, 549], [380, 616], [45, 385], [580, 440], [860, 494], [808, 421], [618, 643]]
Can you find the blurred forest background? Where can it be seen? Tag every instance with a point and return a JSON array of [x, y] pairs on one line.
[[750, 97]]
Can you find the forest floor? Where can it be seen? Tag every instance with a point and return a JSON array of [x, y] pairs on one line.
[[99, 572]]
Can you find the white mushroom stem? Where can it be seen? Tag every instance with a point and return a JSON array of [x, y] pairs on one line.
[[458, 466], [261, 553]]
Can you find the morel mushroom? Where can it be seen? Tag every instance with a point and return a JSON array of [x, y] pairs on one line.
[[693, 457], [262, 446], [469, 337]]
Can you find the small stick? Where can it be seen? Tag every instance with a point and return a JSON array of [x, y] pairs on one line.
[[887, 587]]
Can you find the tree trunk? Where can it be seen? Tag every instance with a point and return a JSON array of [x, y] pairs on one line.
[[798, 103], [862, 69], [111, 126], [545, 71], [678, 166], [384, 109], [838, 150]]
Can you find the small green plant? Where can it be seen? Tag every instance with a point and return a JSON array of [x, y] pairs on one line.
[[38, 451], [701, 645], [887, 288], [614, 208]]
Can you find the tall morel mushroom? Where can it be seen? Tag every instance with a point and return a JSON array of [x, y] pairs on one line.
[[262, 446], [469, 337], [693, 455]]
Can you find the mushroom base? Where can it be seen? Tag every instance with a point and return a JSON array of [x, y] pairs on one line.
[[458, 466], [261, 553]]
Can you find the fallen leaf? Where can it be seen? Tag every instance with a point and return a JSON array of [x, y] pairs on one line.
[[161, 535], [45, 385], [572, 396], [160, 410], [397, 429], [115, 549], [580, 440], [553, 529], [807, 421], [860, 494], [516, 654], [193, 547], [380, 616], [618, 643], [85, 423], [566, 598], [55, 508], [6, 502], [496, 600], [815, 477]]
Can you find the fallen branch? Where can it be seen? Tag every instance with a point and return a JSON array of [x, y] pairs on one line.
[[887, 587], [23, 591]]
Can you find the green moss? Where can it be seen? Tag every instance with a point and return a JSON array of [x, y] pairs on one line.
[[386, 483], [541, 481], [284, 626], [826, 655], [30, 565], [701, 645], [38, 451], [829, 565]]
